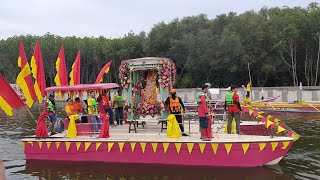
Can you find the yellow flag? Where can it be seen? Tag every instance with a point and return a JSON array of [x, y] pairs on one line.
[[133, 145], [228, 147], [154, 146], [245, 147], [178, 147], [120, 144], [190, 147], [214, 147], [143, 146], [280, 129]]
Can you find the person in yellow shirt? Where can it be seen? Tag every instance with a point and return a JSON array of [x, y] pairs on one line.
[[248, 89], [93, 111], [118, 104]]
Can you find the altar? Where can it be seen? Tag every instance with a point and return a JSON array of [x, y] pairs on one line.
[[146, 83]]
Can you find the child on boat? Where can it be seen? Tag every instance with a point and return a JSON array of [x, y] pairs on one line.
[[203, 112]]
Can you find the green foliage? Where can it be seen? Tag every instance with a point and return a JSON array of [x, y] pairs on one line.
[[205, 50]]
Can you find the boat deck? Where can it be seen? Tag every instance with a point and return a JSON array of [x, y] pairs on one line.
[[151, 133]]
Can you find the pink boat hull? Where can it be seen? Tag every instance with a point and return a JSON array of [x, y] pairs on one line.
[[236, 157]]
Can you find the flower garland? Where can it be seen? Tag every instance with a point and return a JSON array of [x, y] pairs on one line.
[[137, 88], [144, 109], [166, 69], [124, 74]]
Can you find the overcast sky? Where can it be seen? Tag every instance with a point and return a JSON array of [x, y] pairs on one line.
[[113, 18]]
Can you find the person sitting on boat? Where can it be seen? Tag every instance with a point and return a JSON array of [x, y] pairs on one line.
[[232, 106], [93, 111], [70, 109], [78, 105], [118, 104], [176, 105], [105, 98], [203, 111], [49, 108]]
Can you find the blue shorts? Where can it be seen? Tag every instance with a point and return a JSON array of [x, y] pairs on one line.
[[203, 122], [52, 117]]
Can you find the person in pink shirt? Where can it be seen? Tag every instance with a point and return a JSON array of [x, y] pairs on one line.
[[203, 112]]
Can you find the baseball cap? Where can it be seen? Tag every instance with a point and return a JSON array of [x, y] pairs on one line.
[[208, 84], [228, 89], [173, 90]]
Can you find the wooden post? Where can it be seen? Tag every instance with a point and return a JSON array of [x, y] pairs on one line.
[[2, 174]]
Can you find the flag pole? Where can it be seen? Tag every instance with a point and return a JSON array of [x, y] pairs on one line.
[[30, 113]]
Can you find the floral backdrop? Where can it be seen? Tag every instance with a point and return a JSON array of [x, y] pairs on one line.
[[166, 71]]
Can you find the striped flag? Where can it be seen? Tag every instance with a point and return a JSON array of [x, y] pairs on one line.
[[75, 71], [61, 78], [103, 71], [24, 79], [38, 73], [9, 99]]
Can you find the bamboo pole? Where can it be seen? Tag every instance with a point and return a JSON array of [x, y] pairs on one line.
[[30, 113]]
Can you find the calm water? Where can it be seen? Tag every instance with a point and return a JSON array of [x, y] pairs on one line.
[[302, 161]]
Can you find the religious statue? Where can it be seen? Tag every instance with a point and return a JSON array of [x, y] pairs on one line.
[[149, 93]]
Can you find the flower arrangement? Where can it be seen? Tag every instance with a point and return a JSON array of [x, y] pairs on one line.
[[144, 109], [137, 88], [166, 69], [124, 74]]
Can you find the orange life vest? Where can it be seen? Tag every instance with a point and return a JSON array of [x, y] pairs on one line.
[[175, 105]]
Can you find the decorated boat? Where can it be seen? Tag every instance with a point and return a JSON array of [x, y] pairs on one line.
[[146, 82], [296, 107]]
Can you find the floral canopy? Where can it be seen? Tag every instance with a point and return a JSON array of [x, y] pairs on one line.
[[147, 82]]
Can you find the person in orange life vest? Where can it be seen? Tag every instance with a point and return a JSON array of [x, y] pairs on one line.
[[232, 106], [175, 104], [49, 108], [77, 105], [70, 109], [106, 98], [203, 112]]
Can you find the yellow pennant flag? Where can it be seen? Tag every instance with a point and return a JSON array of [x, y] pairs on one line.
[[269, 123], [57, 144], [269, 117], [133, 145], [250, 112], [98, 144], [143, 146], [202, 146], [154, 146], [110, 144], [245, 147], [48, 144], [86, 145], [178, 147], [280, 129], [120, 144], [67, 145], [262, 146], [228, 147], [214, 147], [285, 144], [78, 144], [274, 145], [40, 144], [165, 147], [190, 147]]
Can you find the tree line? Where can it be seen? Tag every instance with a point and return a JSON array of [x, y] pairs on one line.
[[280, 45]]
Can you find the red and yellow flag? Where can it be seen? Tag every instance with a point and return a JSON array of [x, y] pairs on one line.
[[38, 72], [75, 71], [24, 79], [61, 78], [9, 99], [105, 69]]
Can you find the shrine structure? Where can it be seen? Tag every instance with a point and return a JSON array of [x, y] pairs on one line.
[[146, 83]]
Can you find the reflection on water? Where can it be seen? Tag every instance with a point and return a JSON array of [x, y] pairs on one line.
[[302, 161]]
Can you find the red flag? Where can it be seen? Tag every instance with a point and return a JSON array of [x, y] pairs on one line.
[[61, 78], [75, 72], [105, 69], [9, 99], [38, 73], [24, 79]]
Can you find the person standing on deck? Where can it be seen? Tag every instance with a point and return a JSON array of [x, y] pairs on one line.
[[50, 107], [208, 93], [176, 105], [203, 112], [248, 89], [93, 111], [118, 104], [232, 105], [105, 98]]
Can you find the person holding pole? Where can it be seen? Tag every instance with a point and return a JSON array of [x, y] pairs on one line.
[[50, 107], [176, 105]]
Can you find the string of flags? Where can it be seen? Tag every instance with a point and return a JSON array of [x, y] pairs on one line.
[[271, 122], [154, 147]]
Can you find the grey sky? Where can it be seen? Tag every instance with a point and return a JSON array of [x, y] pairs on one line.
[[113, 18]]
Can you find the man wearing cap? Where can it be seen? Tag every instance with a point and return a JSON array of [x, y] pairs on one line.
[[49, 107], [232, 105], [175, 104]]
